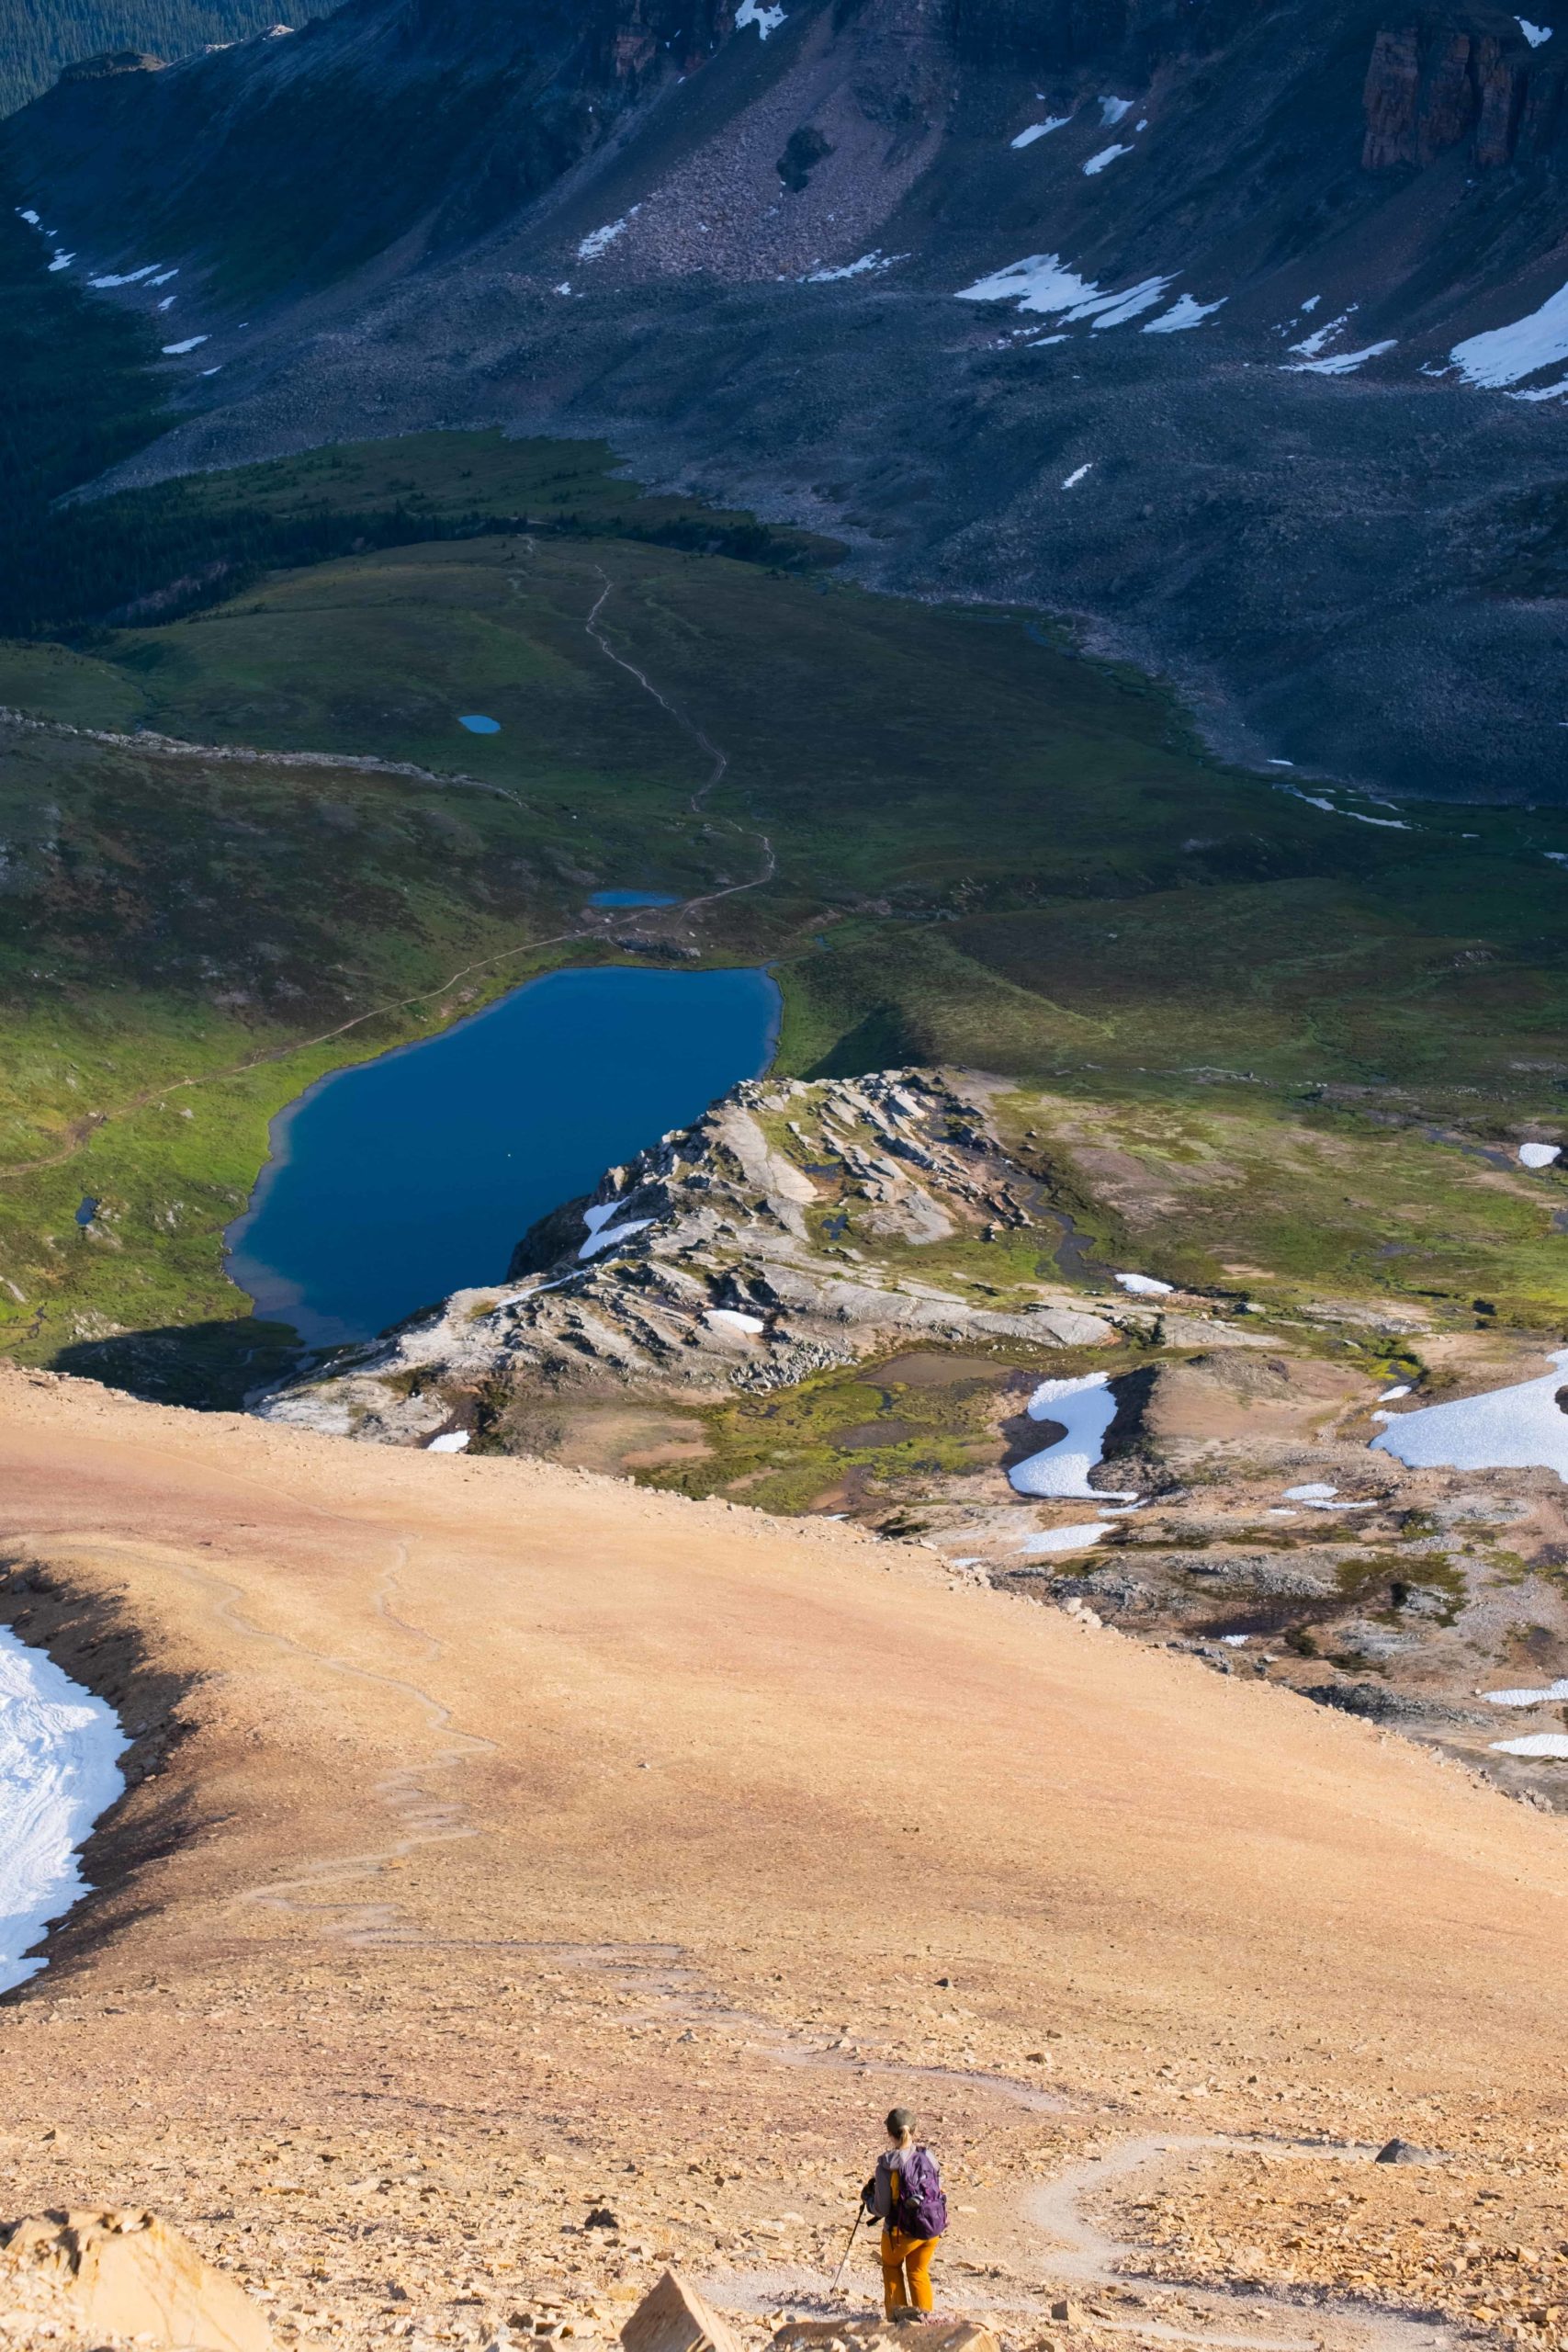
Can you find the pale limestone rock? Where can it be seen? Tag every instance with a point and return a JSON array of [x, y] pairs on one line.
[[673, 2317], [128, 2274]]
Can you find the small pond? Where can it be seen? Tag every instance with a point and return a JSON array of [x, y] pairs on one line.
[[391, 1184]]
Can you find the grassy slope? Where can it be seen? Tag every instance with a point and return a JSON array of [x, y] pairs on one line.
[[990, 851], [174, 932]]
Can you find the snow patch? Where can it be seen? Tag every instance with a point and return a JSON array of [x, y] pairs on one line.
[[1538, 1742], [1043, 283], [1115, 110], [31, 218], [599, 241], [1041, 130], [1068, 1539], [1389, 1394], [1553, 1691], [767, 20], [729, 1318], [1507, 355], [1186, 312], [868, 266], [1343, 363], [454, 1441], [1107, 155], [600, 1214], [129, 278], [607, 1236], [178, 350], [1520, 1428], [1145, 1287], [1074, 479], [1534, 34], [1085, 1408], [60, 261], [1539, 1155], [1357, 817], [59, 1770], [1314, 1493]]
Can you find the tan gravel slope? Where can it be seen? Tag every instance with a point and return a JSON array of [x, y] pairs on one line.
[[524, 1826]]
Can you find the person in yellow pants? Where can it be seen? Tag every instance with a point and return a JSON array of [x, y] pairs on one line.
[[906, 2272], [905, 2194]]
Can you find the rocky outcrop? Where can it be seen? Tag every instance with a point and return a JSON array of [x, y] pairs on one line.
[[1428, 89], [632, 36], [120, 2277], [108, 65], [780, 1235]]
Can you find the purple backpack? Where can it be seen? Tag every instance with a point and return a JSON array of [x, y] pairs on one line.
[[920, 2209]]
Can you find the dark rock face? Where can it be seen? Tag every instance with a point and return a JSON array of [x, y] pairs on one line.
[[632, 39], [1428, 88], [1392, 100]]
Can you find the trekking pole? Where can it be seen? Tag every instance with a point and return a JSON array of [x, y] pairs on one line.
[[844, 2265]]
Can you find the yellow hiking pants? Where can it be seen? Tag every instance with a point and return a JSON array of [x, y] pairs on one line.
[[906, 2272]]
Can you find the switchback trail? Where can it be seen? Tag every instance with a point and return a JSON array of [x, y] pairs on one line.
[[710, 749]]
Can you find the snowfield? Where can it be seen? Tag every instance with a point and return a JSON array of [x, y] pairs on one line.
[[59, 1770], [1521, 1428], [1085, 1408], [1506, 356]]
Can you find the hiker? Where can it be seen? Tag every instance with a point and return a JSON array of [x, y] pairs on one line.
[[905, 2195]]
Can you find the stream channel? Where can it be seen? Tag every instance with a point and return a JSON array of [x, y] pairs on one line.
[[391, 1184]]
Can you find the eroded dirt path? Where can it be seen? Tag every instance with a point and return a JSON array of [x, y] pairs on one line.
[[1085, 2254]]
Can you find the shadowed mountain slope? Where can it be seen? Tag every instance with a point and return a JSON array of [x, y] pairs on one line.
[[1265, 315]]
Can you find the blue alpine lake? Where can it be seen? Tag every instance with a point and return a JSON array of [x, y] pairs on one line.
[[391, 1184], [633, 898]]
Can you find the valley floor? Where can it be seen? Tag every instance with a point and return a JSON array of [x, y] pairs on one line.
[[504, 1842]]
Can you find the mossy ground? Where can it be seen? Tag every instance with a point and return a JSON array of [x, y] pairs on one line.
[[1244, 1012], [872, 1438]]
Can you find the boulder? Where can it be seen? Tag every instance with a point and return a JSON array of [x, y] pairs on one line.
[[673, 2317], [129, 2274]]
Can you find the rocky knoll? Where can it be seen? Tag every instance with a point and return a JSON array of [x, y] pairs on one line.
[[721, 1260]]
